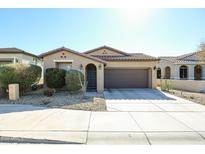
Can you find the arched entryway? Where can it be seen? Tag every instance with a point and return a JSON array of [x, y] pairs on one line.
[[197, 72], [167, 72], [91, 77]]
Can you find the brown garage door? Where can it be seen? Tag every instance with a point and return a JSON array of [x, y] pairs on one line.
[[126, 78]]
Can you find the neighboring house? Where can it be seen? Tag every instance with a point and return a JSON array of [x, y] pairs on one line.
[[106, 67], [15, 55], [185, 72], [185, 67]]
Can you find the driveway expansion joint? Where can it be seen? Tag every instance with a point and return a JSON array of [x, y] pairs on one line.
[[140, 128]]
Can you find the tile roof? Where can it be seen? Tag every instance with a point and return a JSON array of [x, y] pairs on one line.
[[190, 57], [123, 57], [130, 57], [106, 47], [72, 51], [16, 50]]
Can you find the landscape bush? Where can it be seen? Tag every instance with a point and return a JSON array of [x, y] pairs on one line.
[[23, 74], [49, 92], [55, 78], [165, 85], [2, 92], [74, 81]]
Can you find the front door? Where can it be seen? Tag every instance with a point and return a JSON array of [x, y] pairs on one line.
[[91, 77]]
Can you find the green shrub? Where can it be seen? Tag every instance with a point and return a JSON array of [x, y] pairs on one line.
[[55, 77], [3, 92], [49, 92], [74, 81], [23, 74]]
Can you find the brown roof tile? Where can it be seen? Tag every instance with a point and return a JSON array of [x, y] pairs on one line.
[[190, 57], [106, 47], [72, 51], [131, 57]]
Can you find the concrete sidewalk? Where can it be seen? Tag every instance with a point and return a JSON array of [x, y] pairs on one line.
[[84, 127], [160, 121]]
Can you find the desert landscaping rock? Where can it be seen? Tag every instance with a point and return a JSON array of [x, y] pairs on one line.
[[192, 96], [62, 99]]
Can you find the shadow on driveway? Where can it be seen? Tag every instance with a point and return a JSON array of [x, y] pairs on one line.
[[135, 94]]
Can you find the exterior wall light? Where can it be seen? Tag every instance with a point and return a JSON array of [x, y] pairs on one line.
[[81, 66], [99, 66]]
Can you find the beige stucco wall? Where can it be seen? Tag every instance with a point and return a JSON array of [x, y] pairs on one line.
[[175, 67], [23, 58], [77, 61], [4, 55], [101, 52], [137, 65], [187, 85], [163, 64]]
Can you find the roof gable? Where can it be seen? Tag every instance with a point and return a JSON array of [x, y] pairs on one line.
[[190, 57], [71, 51], [17, 51], [106, 51]]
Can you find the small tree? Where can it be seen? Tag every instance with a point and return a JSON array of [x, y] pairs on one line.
[[201, 51], [74, 81]]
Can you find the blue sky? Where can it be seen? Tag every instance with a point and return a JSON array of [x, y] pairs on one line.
[[157, 32]]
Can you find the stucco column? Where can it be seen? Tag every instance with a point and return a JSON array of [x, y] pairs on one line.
[[177, 77], [162, 72], [203, 72], [191, 72], [14, 60], [100, 78], [154, 77]]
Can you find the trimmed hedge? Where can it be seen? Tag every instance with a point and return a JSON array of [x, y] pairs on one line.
[[74, 80], [55, 77], [23, 74]]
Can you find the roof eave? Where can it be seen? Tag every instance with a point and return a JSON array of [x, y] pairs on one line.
[[19, 51], [72, 51], [106, 47]]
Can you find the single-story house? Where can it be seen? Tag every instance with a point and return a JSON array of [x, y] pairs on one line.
[[185, 72], [184, 67], [15, 55], [105, 67]]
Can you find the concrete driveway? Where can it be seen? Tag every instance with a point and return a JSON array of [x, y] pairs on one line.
[[140, 116]]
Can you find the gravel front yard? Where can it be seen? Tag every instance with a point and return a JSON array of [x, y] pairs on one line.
[[62, 100], [192, 96]]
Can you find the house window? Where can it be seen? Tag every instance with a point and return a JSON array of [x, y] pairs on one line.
[[167, 72], [197, 72], [64, 65], [158, 73], [183, 72]]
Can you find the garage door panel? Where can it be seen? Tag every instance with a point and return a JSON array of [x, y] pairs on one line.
[[126, 78]]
